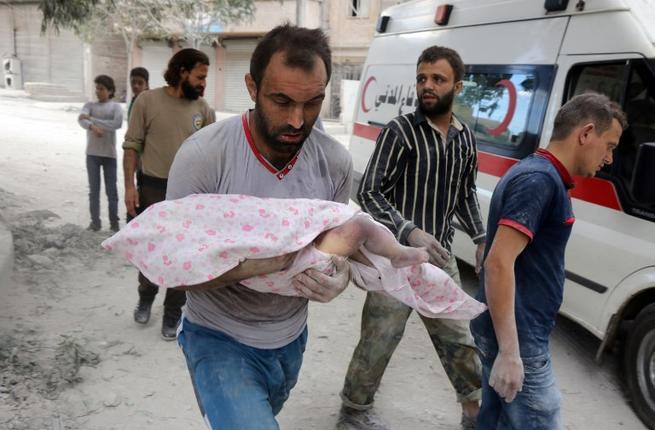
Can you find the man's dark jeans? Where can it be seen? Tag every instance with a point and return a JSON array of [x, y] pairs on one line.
[[151, 191], [536, 406]]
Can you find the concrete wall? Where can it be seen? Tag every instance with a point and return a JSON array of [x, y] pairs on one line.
[[54, 58], [109, 57], [270, 13], [6, 31], [351, 36], [59, 58]]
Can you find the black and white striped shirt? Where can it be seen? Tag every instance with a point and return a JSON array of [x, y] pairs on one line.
[[414, 179]]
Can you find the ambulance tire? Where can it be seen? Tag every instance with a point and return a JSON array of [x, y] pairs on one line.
[[639, 365]]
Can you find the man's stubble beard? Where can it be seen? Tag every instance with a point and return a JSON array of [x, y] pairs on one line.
[[442, 106], [263, 128], [190, 92]]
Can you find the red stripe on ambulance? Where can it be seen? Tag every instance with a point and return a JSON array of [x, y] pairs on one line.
[[593, 190]]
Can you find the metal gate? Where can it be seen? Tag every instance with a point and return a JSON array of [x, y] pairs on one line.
[[237, 65]]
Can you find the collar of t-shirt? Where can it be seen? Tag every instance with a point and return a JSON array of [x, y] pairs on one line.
[[563, 173], [279, 173]]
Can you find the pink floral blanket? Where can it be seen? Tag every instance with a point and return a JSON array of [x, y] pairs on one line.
[[200, 237]]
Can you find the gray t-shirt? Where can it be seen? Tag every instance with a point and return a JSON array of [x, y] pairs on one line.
[[220, 159], [109, 117]]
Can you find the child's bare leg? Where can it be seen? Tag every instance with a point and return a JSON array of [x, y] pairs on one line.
[[346, 240], [381, 241]]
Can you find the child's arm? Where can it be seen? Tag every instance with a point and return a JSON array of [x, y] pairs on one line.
[[115, 123]]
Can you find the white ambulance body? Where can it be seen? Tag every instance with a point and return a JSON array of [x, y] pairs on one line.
[[522, 63]]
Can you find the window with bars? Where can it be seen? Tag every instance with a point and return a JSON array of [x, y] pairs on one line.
[[358, 8]]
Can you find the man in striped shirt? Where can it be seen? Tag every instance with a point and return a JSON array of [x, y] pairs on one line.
[[421, 173]]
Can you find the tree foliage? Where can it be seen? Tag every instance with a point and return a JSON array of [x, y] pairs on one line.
[[90, 19], [59, 14], [189, 20], [194, 19]]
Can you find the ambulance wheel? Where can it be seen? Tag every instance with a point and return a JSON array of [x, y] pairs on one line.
[[639, 362]]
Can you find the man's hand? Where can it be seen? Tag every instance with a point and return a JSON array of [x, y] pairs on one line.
[[479, 257], [439, 256], [320, 287], [131, 200], [97, 130], [507, 375]]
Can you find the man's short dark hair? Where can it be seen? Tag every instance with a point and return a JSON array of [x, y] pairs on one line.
[[185, 59], [300, 46], [436, 53], [140, 72], [585, 108], [107, 82]]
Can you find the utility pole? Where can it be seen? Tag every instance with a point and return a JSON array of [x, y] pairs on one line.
[[325, 16], [300, 13]]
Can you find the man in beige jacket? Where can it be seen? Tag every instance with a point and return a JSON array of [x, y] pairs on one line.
[[160, 120]]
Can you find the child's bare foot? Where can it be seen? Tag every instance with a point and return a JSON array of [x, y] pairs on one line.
[[410, 256]]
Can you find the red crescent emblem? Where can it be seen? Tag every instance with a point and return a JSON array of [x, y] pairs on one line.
[[366, 84], [511, 91]]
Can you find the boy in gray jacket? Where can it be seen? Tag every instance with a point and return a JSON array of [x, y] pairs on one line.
[[101, 119]]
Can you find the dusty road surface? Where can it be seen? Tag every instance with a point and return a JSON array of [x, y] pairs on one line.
[[72, 358]]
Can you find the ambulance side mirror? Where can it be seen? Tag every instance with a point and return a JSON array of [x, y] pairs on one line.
[[643, 180]]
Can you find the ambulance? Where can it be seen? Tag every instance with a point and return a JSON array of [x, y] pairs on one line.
[[524, 59]]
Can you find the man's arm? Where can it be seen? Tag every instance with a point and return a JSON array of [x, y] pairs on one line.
[[246, 269], [382, 173], [384, 169], [130, 162], [467, 210], [132, 147], [507, 371], [468, 207]]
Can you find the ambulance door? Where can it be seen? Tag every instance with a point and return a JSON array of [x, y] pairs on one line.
[[614, 232]]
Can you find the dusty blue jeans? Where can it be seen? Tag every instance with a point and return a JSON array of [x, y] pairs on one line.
[[93, 165], [536, 406], [237, 386]]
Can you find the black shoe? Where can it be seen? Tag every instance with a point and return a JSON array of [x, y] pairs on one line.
[[169, 327], [114, 227], [468, 423], [142, 312], [351, 419], [94, 226]]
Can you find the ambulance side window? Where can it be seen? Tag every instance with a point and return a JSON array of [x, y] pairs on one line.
[[631, 83], [606, 79], [504, 105]]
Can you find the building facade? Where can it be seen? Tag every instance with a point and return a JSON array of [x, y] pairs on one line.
[[57, 63], [64, 62]]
